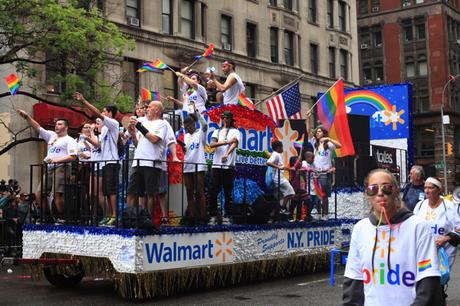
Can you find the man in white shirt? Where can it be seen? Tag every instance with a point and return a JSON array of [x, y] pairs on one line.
[[109, 156], [148, 135], [225, 140], [233, 85], [62, 149]]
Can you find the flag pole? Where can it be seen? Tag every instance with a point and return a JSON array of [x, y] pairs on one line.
[[313, 106], [280, 89]]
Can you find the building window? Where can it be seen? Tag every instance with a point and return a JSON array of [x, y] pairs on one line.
[[419, 1], [203, 20], [288, 4], [424, 140], [251, 39], [132, 8], [407, 30], [288, 48], [421, 101], [330, 13], [274, 45], [420, 33], [457, 142], [422, 65], [166, 17], [130, 84], [367, 73], [363, 7], [312, 11], [314, 58], [226, 32], [410, 67], [378, 71], [187, 18], [342, 16], [375, 4], [344, 64], [332, 63], [272, 3], [377, 37]]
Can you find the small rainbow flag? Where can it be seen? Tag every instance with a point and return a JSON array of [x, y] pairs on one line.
[[149, 95], [318, 190], [153, 66], [299, 143], [207, 53], [13, 83], [244, 101], [423, 265]]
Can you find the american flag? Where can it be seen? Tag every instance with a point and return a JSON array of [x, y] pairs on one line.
[[285, 105]]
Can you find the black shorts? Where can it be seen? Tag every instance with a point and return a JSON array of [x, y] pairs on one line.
[[110, 179], [144, 180]]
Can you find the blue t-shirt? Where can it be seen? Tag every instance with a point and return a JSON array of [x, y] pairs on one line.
[[412, 195]]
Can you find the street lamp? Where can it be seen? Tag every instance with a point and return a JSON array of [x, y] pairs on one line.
[[451, 79]]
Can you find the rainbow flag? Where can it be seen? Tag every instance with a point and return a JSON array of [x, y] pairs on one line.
[[13, 83], [207, 53], [423, 265], [318, 190], [299, 143], [149, 95], [242, 100], [333, 116], [153, 66]]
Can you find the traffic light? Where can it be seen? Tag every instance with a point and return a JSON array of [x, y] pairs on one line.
[[450, 149]]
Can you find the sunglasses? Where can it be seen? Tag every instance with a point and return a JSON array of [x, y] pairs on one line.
[[372, 190]]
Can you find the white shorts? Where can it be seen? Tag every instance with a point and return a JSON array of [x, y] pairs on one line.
[[285, 189]]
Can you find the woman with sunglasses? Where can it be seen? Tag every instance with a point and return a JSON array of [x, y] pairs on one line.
[[392, 258], [441, 214]]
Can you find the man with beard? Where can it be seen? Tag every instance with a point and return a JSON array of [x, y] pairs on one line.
[[233, 85], [62, 149]]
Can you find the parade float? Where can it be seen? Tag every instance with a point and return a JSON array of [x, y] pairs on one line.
[[150, 263]]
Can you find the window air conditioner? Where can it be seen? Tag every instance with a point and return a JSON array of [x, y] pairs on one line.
[[375, 9], [363, 46], [133, 21], [227, 46]]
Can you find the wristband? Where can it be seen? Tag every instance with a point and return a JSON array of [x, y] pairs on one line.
[[141, 128]]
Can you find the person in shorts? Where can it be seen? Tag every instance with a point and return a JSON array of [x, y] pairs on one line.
[[62, 149]]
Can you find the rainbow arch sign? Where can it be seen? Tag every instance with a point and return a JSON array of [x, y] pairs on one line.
[[387, 106]]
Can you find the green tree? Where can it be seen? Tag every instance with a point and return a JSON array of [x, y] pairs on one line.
[[71, 37]]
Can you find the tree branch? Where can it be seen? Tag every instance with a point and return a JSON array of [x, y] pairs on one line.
[[16, 142]]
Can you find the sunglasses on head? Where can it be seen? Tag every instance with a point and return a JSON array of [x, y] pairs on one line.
[[373, 190]]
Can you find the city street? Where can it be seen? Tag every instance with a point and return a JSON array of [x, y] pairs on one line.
[[311, 289]]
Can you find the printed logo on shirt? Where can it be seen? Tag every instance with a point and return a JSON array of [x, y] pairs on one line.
[[54, 150], [430, 215], [395, 277], [423, 265], [383, 243]]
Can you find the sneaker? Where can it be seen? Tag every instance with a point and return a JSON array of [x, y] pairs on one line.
[[284, 211], [164, 221], [103, 221], [212, 221], [226, 221], [59, 221], [325, 217], [270, 221], [111, 221]]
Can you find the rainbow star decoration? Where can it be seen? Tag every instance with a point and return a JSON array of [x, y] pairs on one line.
[[207, 53], [244, 101], [150, 95], [153, 66], [13, 83]]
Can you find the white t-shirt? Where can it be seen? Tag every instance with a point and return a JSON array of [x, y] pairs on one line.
[[413, 257], [442, 220], [198, 96], [194, 154], [232, 94], [148, 151], [222, 135], [276, 158], [84, 147], [58, 146], [323, 158], [108, 140], [169, 139], [309, 167]]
